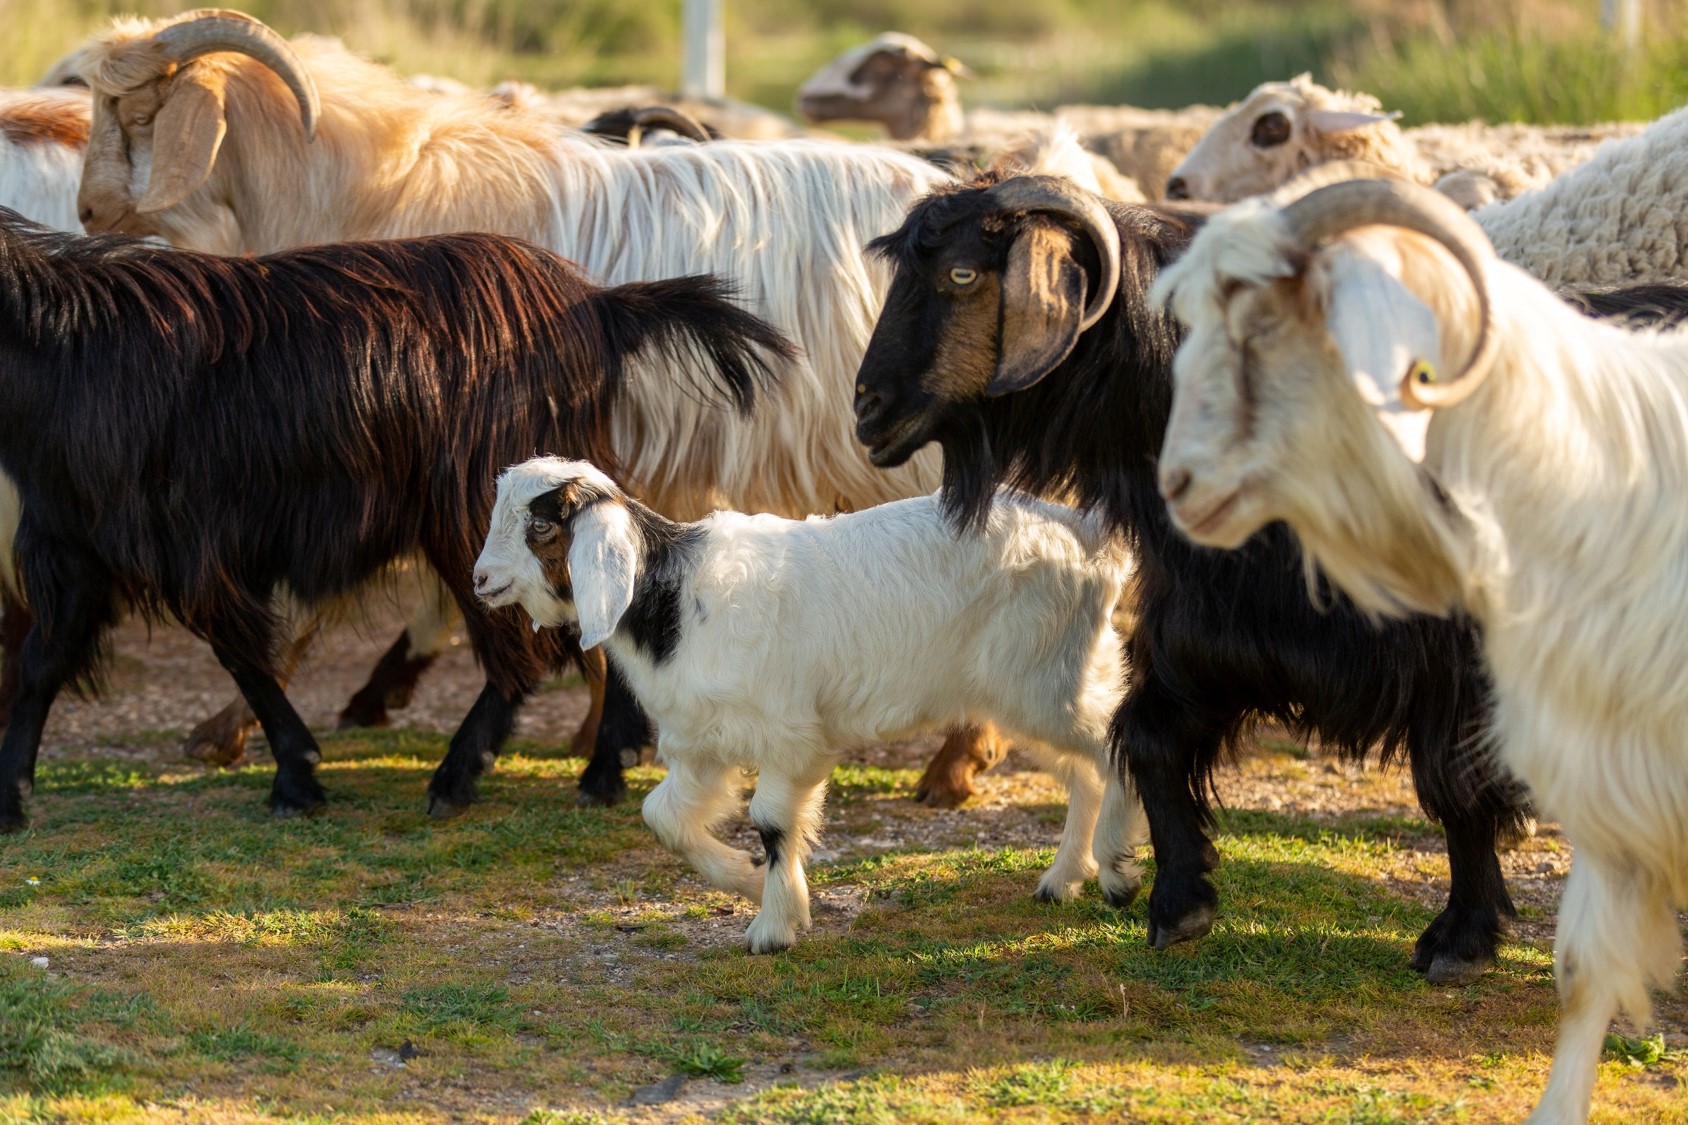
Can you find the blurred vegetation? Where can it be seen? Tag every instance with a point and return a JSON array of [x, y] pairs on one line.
[[1524, 60]]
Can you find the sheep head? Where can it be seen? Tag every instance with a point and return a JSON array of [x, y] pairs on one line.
[[992, 287], [561, 545], [895, 80], [159, 110], [1279, 131], [1309, 322]]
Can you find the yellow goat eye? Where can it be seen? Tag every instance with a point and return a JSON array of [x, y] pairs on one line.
[[1422, 373], [961, 275]]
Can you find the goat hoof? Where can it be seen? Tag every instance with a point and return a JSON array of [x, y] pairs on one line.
[[223, 751], [1456, 970], [769, 939], [439, 808], [1198, 923], [353, 718], [13, 823], [590, 799], [1122, 895]]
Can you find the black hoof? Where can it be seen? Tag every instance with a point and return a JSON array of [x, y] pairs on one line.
[[359, 715], [1196, 924], [441, 809], [296, 796], [602, 800], [601, 786], [12, 823], [1456, 971]]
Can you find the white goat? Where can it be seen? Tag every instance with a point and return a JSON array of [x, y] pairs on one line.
[[1539, 489], [759, 643]]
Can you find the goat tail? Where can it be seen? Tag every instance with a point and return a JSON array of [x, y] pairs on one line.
[[728, 351]]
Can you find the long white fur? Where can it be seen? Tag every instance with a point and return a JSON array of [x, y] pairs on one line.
[[803, 640], [38, 178], [1564, 533]]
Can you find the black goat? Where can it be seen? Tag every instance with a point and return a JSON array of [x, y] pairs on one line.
[[190, 433], [981, 348]]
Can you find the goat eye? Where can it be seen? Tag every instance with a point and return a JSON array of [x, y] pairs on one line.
[[961, 275], [140, 119], [537, 526], [1270, 130], [1421, 373]]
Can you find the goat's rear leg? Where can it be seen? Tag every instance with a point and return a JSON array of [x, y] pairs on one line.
[[392, 682], [1073, 865], [685, 809], [1163, 746], [623, 728], [221, 739], [296, 790], [474, 748], [1476, 807], [594, 669], [786, 810], [968, 751], [15, 623]]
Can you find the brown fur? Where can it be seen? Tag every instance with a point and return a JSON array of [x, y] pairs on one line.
[[48, 119]]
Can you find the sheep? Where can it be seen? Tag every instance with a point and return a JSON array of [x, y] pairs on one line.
[[784, 221], [1527, 471], [1283, 128], [905, 85], [361, 391], [1018, 336], [774, 645]]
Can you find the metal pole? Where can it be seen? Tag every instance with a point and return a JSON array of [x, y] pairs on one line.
[[705, 72], [1624, 18]]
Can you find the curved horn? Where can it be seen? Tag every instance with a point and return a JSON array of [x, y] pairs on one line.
[[1332, 211], [667, 117], [1053, 195], [210, 30]]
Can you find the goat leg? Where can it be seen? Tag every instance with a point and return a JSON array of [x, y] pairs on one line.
[[392, 682], [474, 748], [296, 790], [968, 751], [594, 667], [625, 728], [15, 622]]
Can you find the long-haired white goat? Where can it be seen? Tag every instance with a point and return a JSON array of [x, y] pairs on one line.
[[778, 645], [1530, 469]]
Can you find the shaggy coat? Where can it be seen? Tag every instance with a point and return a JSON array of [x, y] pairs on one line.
[[1222, 639], [1547, 504], [191, 433], [779, 646]]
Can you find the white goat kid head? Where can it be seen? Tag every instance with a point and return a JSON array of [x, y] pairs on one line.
[[1279, 131], [159, 114], [562, 545], [1305, 322]]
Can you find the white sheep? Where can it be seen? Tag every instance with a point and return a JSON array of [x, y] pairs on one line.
[[774, 645], [1529, 470], [1283, 128]]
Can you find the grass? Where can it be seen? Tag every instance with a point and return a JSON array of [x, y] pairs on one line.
[[1440, 60], [537, 961]]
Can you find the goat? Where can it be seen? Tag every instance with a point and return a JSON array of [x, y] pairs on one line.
[[360, 392], [784, 222], [1018, 336], [1527, 471], [758, 643]]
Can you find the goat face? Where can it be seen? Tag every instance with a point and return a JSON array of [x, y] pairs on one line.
[[896, 80], [159, 115], [986, 299], [1290, 360], [562, 546]]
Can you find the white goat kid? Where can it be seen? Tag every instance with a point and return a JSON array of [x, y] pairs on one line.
[[759, 643], [1539, 490]]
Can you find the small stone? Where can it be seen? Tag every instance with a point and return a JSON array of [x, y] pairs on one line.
[[660, 1093], [38, 962]]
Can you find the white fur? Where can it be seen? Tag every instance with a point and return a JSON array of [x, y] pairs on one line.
[[1564, 534], [802, 640]]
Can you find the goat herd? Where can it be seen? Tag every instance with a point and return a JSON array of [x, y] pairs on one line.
[[1446, 498]]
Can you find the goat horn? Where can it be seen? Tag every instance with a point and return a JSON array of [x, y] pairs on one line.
[[1056, 196], [210, 30], [667, 117], [1332, 211]]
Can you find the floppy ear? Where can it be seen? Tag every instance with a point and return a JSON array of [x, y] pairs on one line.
[[185, 137], [1042, 307], [1346, 120], [603, 565]]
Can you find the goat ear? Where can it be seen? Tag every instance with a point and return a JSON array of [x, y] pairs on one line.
[[603, 565], [1346, 120], [185, 138], [1042, 306]]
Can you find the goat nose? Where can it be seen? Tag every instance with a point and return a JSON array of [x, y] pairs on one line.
[[1175, 484], [85, 216], [1177, 188], [481, 579], [868, 403]]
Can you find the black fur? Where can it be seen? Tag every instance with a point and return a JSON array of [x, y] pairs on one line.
[[1224, 639], [773, 841], [189, 432], [653, 618], [1662, 304]]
